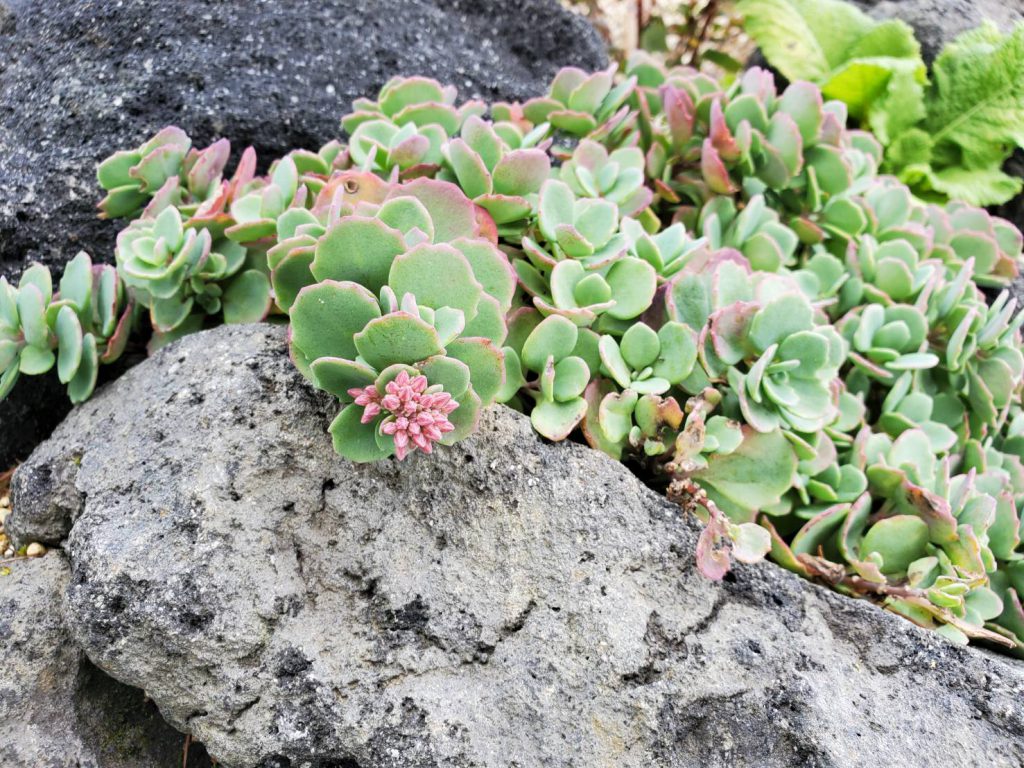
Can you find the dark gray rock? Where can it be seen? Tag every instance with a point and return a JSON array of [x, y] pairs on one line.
[[56, 709], [936, 22], [505, 602], [82, 78], [29, 414]]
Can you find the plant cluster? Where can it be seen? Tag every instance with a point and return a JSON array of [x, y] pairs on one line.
[[946, 132], [708, 280], [86, 322]]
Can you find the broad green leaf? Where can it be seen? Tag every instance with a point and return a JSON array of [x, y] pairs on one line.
[[982, 186], [486, 365], [354, 440], [247, 298], [337, 376], [397, 338], [357, 249], [804, 39], [326, 317], [751, 478], [976, 106]]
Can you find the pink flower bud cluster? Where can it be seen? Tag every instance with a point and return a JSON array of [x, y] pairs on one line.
[[414, 417]]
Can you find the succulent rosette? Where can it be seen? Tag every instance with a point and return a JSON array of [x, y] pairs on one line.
[[617, 176], [410, 286], [174, 270], [501, 178], [83, 324], [583, 270], [406, 127], [578, 103]]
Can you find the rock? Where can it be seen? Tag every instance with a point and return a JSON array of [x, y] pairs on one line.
[[937, 22], [82, 79], [56, 709], [29, 414], [504, 602]]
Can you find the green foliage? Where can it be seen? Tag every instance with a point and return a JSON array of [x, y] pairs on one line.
[[975, 114], [709, 281], [82, 324], [947, 138], [411, 285]]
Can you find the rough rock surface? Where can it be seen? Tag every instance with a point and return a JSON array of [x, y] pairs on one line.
[[506, 602], [56, 709], [936, 22], [80, 79]]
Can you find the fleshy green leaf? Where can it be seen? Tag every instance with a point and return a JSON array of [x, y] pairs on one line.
[[326, 317], [397, 338], [354, 440], [247, 298]]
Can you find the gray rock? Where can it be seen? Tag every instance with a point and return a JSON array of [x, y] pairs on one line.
[[56, 709], [505, 602], [936, 22], [82, 79]]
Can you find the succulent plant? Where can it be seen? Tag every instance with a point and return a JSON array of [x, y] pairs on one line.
[[706, 279], [585, 272], [362, 246], [963, 232], [406, 127], [754, 231], [501, 178], [617, 176], [895, 244], [578, 228], [906, 407], [257, 206], [781, 366], [173, 270], [928, 548], [886, 341], [668, 251], [791, 147], [647, 361], [131, 177], [627, 410], [440, 317], [557, 358], [84, 324], [351, 346], [416, 100], [578, 103]]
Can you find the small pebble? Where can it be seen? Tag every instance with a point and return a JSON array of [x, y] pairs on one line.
[[35, 549]]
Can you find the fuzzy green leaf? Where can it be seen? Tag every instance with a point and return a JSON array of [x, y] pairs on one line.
[[976, 108]]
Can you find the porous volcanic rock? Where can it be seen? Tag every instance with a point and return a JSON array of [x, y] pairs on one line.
[[82, 78], [56, 709], [504, 602]]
